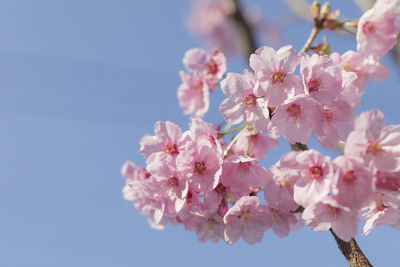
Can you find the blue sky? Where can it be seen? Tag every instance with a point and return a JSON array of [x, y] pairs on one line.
[[81, 81]]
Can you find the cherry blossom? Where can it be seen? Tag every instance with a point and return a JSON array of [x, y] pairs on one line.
[[316, 175], [247, 219], [242, 103], [327, 213], [207, 225], [378, 29], [296, 119], [200, 164], [321, 78], [193, 94], [211, 67], [352, 185], [274, 70], [372, 141]]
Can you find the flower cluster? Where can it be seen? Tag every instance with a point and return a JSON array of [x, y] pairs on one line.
[[335, 194], [321, 99], [219, 190], [193, 93], [189, 179]]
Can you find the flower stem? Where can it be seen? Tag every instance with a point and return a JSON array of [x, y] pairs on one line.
[[310, 39], [234, 140], [233, 130]]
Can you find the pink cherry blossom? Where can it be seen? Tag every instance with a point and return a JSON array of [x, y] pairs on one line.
[[211, 67], [137, 191], [200, 164], [133, 173], [134, 177], [366, 67], [337, 123], [327, 213], [279, 189], [207, 225], [351, 94], [241, 172], [378, 29], [247, 219], [259, 144], [242, 104], [352, 185], [385, 209], [193, 94], [169, 186], [167, 140], [282, 221], [316, 177], [274, 70], [372, 141], [322, 79], [192, 204], [387, 181], [220, 195], [200, 129], [296, 119]]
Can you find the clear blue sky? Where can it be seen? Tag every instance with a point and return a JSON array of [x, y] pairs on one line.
[[81, 81]]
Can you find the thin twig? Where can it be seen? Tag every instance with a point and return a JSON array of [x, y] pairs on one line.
[[310, 39]]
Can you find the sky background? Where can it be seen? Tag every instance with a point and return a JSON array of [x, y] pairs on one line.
[[81, 81]]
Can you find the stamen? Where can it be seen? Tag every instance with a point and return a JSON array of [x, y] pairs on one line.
[[200, 167]]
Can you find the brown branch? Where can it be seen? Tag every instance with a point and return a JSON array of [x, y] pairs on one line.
[[245, 33], [299, 147], [352, 252]]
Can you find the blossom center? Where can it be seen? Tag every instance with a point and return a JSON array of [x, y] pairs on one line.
[[212, 68], [349, 176], [172, 182], [368, 27], [285, 182], [328, 115], [245, 217], [200, 167], [249, 99], [198, 85], [294, 110], [244, 166], [314, 85], [171, 149], [347, 67], [278, 77], [333, 210], [220, 188], [374, 147], [210, 225], [315, 172]]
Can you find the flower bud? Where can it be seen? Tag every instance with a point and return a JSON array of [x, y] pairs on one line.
[[315, 10], [325, 10]]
